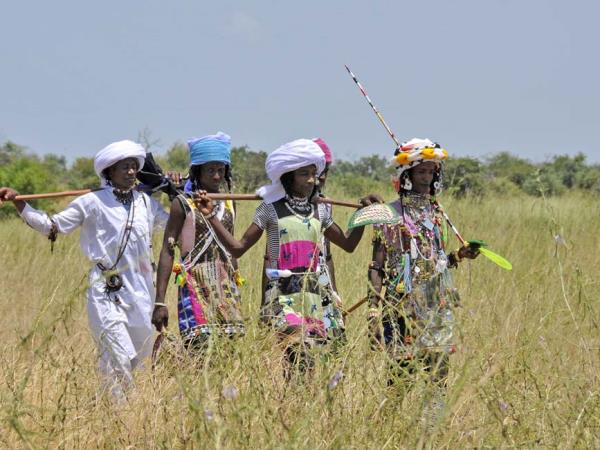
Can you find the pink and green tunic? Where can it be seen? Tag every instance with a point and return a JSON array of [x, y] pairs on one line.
[[300, 305]]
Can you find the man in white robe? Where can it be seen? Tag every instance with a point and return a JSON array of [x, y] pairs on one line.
[[120, 319]]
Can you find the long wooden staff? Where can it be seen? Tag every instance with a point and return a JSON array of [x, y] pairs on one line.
[[256, 197], [212, 196], [357, 305], [53, 194]]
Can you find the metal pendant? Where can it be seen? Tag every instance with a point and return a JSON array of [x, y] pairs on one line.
[[323, 279], [114, 282], [413, 248]]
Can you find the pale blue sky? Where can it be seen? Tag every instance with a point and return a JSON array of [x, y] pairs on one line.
[[478, 76]]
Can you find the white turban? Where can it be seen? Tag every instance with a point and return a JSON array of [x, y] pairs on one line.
[[115, 152], [289, 157]]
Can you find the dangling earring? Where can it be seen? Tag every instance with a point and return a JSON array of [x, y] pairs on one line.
[[407, 185], [396, 183], [437, 185]]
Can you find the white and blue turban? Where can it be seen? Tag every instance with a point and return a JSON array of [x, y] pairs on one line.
[[214, 147], [289, 157], [115, 152]]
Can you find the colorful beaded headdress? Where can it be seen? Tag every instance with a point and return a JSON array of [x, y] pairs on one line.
[[414, 152]]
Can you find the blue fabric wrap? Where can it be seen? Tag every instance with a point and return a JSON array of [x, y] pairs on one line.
[[210, 148]]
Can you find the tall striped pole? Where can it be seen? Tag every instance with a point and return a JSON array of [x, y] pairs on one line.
[[393, 136], [449, 222], [377, 113]]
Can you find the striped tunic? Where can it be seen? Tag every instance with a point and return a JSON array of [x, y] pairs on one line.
[[301, 306], [266, 218]]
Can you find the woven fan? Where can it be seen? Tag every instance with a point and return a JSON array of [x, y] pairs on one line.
[[377, 213]]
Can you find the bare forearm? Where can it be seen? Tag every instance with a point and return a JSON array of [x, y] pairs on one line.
[[232, 245], [375, 287], [163, 274], [353, 238], [20, 205], [346, 241], [331, 269], [376, 274]]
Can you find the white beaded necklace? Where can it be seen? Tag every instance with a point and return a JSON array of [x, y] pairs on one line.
[[300, 216]]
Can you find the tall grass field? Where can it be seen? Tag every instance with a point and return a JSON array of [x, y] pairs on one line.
[[525, 374]]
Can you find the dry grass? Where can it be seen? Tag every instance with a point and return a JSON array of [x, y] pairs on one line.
[[526, 373]]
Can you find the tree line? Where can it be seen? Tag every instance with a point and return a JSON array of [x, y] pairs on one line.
[[501, 174]]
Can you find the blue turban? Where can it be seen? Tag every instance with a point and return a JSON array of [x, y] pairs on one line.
[[215, 147]]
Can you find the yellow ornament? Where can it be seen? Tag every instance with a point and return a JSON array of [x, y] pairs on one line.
[[180, 280], [428, 153], [239, 280], [402, 158]]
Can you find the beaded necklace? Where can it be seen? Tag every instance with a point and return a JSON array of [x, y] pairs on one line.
[[123, 197], [303, 218], [300, 204], [422, 226]]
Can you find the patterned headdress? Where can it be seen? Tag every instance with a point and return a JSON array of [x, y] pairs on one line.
[[414, 152]]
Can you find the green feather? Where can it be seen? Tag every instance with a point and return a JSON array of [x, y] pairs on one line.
[[495, 258], [477, 243]]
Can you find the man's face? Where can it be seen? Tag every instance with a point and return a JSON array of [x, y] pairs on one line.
[[305, 179], [212, 174], [421, 177], [122, 173]]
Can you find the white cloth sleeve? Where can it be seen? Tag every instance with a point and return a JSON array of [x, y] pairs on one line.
[[66, 221]]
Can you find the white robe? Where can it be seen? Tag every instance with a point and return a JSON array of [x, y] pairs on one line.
[[122, 329]]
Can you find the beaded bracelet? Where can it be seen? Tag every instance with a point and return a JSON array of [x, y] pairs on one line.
[[211, 215], [457, 255], [160, 304], [373, 312], [453, 260]]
